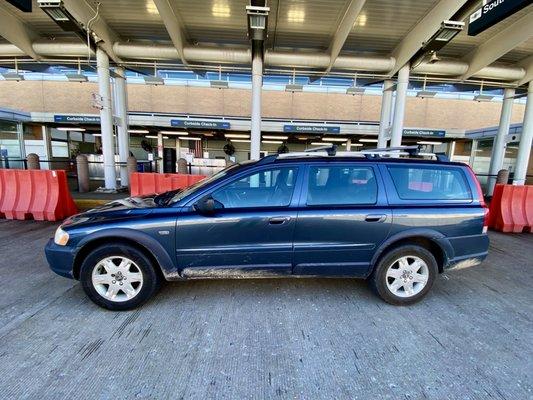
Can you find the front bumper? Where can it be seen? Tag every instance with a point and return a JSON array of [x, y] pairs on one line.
[[60, 259]]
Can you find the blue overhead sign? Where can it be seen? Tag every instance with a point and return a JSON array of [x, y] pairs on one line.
[[492, 12], [196, 123], [77, 119], [424, 132], [311, 129]]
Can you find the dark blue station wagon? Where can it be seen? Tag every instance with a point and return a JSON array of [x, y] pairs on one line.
[[397, 222]]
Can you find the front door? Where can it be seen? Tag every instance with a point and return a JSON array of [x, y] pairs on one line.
[[343, 217], [251, 232]]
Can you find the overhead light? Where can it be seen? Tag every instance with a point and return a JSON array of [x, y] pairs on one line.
[[155, 137], [483, 97], [272, 141], [237, 135], [427, 142], [67, 128], [138, 131], [76, 78], [221, 9], [190, 138], [293, 87], [361, 20], [97, 134], [64, 19], [320, 143], [448, 30], [426, 93], [13, 76], [334, 139], [257, 22], [179, 133], [54, 9], [368, 140], [240, 141], [275, 137], [353, 144], [302, 137], [355, 90], [296, 15], [219, 84], [153, 80]]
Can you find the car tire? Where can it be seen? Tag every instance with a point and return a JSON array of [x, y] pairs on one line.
[[404, 275], [105, 272]]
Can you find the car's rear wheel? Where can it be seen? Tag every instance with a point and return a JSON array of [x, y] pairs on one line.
[[118, 277], [404, 275]]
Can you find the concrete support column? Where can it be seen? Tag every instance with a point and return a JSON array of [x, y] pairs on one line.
[[47, 143], [386, 106], [257, 83], [349, 145], [451, 150], [473, 150], [399, 108], [160, 163], [498, 147], [106, 119], [524, 148], [121, 110]]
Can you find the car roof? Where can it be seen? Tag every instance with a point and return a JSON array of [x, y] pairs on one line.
[[273, 159]]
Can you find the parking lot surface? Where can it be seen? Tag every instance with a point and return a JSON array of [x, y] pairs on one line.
[[471, 338]]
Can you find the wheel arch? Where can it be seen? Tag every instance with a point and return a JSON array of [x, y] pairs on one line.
[[433, 241], [148, 246]]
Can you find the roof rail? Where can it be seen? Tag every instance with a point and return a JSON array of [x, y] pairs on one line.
[[331, 149]]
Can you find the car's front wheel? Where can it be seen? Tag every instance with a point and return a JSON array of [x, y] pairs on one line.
[[118, 277], [404, 275]]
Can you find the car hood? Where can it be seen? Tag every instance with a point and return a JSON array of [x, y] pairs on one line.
[[117, 209]]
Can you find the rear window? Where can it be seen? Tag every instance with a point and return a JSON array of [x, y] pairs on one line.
[[429, 183]]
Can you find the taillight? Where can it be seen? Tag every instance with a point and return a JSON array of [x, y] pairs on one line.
[[481, 200]]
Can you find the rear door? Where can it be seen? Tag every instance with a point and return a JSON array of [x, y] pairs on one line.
[[342, 219]]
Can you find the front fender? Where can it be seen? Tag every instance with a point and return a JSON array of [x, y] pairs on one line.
[[166, 262], [436, 237]]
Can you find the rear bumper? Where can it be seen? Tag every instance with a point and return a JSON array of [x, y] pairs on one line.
[[468, 251], [60, 259]]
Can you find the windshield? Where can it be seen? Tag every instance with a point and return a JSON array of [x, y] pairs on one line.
[[177, 195]]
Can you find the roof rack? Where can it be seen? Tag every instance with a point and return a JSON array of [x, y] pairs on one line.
[[331, 150]]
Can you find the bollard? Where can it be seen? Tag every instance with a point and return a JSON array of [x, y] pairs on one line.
[[132, 165], [502, 177], [82, 166], [182, 166], [33, 161]]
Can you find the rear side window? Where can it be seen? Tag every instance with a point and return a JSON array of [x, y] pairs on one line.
[[428, 183], [341, 185]]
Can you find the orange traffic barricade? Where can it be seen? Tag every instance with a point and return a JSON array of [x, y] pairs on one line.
[[142, 183]]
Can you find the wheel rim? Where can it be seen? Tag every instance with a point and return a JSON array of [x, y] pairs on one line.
[[117, 278], [407, 276]]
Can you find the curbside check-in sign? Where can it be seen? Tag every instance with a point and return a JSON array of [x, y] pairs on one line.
[[200, 124], [492, 12], [83, 119], [311, 129]]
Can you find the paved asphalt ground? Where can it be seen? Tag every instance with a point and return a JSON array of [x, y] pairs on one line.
[[471, 338]]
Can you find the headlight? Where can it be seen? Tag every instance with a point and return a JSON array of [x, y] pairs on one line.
[[61, 237]]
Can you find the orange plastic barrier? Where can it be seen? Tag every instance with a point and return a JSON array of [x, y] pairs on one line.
[[511, 208], [142, 183], [38, 194]]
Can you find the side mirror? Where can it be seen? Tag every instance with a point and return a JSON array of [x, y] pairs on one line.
[[205, 206]]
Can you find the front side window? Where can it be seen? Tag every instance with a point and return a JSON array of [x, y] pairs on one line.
[[341, 185], [267, 188], [430, 183]]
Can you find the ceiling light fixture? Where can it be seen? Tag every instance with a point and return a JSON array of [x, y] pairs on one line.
[[138, 131], [240, 141], [67, 128], [320, 144], [275, 137], [237, 135], [190, 138], [179, 133], [427, 142], [334, 139], [272, 141], [368, 140]]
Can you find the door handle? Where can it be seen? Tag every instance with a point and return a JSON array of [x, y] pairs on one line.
[[375, 217], [278, 220]]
